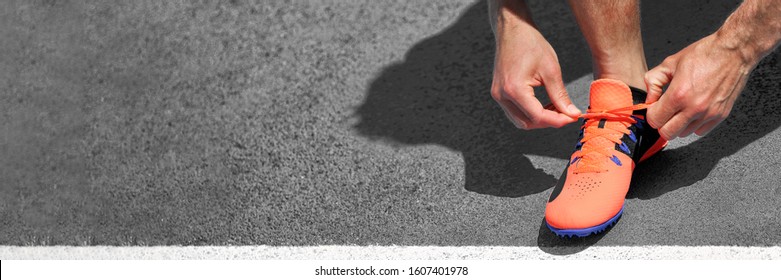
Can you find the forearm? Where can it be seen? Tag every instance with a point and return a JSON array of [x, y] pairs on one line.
[[754, 29], [507, 15]]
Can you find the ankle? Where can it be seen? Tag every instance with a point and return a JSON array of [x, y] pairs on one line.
[[630, 70], [632, 80]]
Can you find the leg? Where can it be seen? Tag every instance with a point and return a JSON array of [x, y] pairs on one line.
[[612, 30]]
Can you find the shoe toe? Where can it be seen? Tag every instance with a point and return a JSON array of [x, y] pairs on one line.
[[587, 200]]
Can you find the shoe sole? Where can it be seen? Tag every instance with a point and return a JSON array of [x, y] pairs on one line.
[[583, 232]]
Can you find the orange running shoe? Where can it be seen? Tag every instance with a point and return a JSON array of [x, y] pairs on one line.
[[589, 196]]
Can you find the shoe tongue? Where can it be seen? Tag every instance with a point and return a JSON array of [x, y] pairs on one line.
[[607, 94]]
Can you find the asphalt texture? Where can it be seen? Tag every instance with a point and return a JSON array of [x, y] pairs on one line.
[[337, 123]]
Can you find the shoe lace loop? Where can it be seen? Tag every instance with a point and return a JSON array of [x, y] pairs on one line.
[[591, 158]]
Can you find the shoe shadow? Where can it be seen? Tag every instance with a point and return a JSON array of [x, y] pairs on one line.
[[552, 244]]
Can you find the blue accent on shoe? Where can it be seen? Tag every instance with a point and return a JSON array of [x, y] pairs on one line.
[[616, 160], [639, 122], [624, 147], [583, 232], [574, 160], [632, 136], [580, 144]]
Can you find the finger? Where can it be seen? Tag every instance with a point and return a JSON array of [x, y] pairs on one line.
[[707, 127], [656, 79], [551, 107], [558, 93], [662, 111], [515, 121], [673, 128], [515, 116], [538, 116], [693, 126]]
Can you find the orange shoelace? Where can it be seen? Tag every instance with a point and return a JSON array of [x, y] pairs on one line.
[[590, 157]]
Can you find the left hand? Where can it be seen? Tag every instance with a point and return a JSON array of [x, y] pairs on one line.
[[704, 80]]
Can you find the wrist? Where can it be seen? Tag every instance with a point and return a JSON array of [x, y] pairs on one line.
[[752, 31], [511, 16], [740, 44]]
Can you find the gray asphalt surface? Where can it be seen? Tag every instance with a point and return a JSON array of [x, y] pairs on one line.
[[336, 123]]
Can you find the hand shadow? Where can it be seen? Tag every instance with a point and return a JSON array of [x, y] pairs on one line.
[[753, 116], [440, 94]]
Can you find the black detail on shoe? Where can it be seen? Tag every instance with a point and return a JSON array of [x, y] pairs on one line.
[[578, 145], [629, 144], [645, 135], [638, 95], [642, 130], [559, 185], [649, 135]]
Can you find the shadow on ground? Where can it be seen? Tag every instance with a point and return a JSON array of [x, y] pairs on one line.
[[550, 243], [439, 95], [752, 118]]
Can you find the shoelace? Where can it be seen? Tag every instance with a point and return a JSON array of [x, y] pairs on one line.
[[589, 158]]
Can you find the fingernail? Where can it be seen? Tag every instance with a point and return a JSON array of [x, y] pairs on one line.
[[573, 110]]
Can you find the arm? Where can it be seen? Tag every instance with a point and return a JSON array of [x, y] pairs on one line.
[[754, 29], [524, 60], [706, 77]]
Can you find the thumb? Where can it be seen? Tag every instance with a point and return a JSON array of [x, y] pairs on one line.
[[558, 94], [657, 78]]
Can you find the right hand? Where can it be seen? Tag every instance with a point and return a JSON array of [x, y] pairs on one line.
[[524, 60]]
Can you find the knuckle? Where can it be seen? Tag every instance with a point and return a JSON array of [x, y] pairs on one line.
[[497, 92], [510, 88], [554, 70], [712, 114], [686, 88], [678, 95], [648, 78], [700, 108], [496, 95]]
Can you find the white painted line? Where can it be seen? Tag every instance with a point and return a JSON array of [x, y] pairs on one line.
[[387, 252]]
